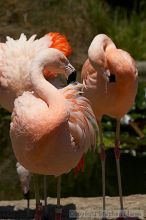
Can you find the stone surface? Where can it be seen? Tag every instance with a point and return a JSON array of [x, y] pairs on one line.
[[86, 207]]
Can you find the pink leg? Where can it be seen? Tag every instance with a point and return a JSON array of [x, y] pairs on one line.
[[27, 197], [39, 208], [102, 158], [28, 209], [117, 157], [58, 210], [45, 193], [39, 211]]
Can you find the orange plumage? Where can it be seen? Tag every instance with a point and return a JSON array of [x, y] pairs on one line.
[[60, 42]]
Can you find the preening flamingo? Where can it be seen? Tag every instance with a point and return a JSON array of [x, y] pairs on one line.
[[51, 129], [110, 78], [17, 55], [15, 59]]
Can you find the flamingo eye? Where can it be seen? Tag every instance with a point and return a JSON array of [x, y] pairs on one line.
[[112, 78], [63, 60]]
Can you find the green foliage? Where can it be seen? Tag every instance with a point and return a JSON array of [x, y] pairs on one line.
[[128, 32]]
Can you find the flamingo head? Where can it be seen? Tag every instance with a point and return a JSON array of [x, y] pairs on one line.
[[113, 63], [120, 65], [56, 62], [61, 43]]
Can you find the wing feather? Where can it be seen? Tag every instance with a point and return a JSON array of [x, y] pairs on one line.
[[82, 122]]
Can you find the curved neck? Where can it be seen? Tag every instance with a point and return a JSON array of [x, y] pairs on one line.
[[53, 98], [96, 53]]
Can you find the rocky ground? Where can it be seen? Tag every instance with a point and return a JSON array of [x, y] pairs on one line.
[[87, 208]]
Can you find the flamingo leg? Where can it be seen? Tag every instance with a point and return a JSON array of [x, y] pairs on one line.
[[39, 208], [28, 206], [58, 210], [45, 193], [102, 158], [27, 197], [117, 157]]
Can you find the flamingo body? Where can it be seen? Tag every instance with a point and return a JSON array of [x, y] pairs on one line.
[[15, 60], [110, 81], [50, 131], [111, 98]]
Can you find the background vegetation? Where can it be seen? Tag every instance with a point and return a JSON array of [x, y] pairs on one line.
[[80, 21]]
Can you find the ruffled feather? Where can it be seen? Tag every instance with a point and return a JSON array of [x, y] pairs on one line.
[[82, 122]]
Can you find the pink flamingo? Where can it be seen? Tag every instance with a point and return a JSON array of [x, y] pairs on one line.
[[17, 80], [51, 128], [110, 79], [15, 59]]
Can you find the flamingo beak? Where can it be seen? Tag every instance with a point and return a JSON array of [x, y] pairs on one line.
[[71, 73], [112, 78], [72, 77]]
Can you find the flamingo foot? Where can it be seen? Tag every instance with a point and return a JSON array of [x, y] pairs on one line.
[[58, 213], [39, 211], [123, 216]]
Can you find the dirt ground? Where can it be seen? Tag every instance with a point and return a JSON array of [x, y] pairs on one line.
[[84, 208]]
